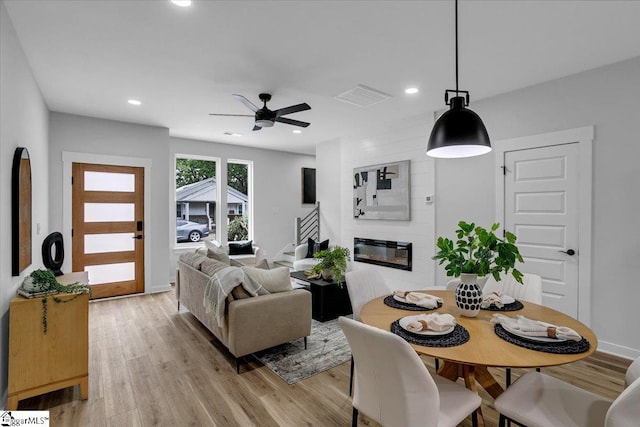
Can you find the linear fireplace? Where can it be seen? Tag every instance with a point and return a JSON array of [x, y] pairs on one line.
[[383, 252]]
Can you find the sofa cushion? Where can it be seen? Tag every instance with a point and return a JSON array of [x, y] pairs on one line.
[[313, 247], [276, 280], [212, 244], [193, 259], [211, 266], [238, 248]]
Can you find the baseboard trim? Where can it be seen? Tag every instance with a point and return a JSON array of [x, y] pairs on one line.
[[618, 350]]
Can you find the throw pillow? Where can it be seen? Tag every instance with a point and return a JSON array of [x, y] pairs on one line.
[[276, 280], [193, 259], [211, 266], [212, 244], [239, 293], [245, 248], [220, 254], [235, 263], [313, 247], [263, 264]]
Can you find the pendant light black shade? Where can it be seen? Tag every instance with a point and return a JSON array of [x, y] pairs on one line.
[[458, 132]]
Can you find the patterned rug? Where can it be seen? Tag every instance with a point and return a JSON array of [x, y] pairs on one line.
[[327, 348]]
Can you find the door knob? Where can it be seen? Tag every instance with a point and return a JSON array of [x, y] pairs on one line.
[[139, 236], [569, 252]]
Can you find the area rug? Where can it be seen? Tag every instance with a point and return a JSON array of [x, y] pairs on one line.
[[327, 348]]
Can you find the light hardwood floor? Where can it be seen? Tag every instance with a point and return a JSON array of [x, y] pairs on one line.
[[149, 365]]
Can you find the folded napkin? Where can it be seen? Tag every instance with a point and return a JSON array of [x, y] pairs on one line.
[[419, 299], [494, 298], [536, 328], [433, 322]]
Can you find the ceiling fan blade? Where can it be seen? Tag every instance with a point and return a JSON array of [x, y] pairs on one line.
[[292, 122], [250, 105], [232, 115], [255, 128], [293, 109]]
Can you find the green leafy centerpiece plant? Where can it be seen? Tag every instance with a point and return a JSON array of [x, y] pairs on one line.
[[333, 263], [43, 283], [477, 252]]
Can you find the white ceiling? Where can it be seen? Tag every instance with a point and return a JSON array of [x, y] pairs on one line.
[[90, 57]]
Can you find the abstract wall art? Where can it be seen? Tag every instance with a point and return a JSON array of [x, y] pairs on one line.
[[382, 191]]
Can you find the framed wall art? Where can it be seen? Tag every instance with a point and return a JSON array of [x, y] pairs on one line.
[[382, 191]]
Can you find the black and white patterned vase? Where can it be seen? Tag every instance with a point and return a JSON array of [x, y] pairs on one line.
[[468, 295]]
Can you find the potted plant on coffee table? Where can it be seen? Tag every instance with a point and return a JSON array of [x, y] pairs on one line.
[[333, 263], [477, 252]]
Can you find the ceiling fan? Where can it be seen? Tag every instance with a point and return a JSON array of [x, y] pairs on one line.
[[265, 117]]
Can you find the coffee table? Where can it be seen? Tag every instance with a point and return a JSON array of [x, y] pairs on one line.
[[328, 299]]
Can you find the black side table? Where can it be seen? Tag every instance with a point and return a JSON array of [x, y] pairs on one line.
[[328, 299]]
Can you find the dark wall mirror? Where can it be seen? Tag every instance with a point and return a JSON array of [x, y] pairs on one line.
[[20, 211]]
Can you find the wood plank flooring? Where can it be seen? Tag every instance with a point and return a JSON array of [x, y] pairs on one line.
[[150, 365]]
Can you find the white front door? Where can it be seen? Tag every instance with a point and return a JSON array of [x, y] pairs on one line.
[[541, 208]]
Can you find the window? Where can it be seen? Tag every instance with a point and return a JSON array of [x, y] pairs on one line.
[[239, 205], [196, 198]]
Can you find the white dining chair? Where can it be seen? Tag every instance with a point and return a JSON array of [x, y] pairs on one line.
[[529, 290], [363, 285], [394, 387], [539, 400]]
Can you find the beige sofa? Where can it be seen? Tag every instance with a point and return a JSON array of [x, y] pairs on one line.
[[250, 324]]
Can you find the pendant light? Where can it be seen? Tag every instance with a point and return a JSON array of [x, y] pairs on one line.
[[459, 132]]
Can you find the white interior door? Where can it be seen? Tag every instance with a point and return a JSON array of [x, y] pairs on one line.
[[541, 207]]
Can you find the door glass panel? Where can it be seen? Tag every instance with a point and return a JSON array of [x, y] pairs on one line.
[[109, 212], [112, 242], [108, 273], [109, 181]]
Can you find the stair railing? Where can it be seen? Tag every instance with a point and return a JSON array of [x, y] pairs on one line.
[[309, 226]]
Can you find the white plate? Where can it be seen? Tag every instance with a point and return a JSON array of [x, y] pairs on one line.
[[508, 299], [539, 339], [406, 320]]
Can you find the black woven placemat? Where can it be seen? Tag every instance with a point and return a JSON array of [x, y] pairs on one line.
[[394, 303], [514, 306], [562, 347], [458, 336]]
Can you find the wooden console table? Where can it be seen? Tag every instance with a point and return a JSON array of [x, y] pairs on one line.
[[40, 363]]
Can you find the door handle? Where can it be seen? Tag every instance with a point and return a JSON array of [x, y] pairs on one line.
[[139, 237], [569, 252]]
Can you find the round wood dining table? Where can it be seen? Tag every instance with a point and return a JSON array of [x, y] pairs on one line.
[[484, 348]]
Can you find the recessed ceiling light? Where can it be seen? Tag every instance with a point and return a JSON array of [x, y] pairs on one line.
[[233, 134], [182, 3], [134, 102], [411, 90], [297, 131]]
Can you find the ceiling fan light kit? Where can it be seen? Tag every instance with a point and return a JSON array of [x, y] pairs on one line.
[[458, 132], [264, 117]]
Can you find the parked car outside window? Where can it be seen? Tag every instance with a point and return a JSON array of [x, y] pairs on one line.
[[189, 231]]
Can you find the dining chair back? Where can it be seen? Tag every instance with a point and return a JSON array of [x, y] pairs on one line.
[[529, 290], [363, 285], [394, 387], [536, 399]]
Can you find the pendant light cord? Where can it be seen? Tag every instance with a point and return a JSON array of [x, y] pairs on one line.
[[456, 48]]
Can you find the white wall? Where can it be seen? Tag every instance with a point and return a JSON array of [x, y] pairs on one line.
[[607, 98], [277, 187], [405, 140], [91, 136], [328, 190], [23, 123]]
